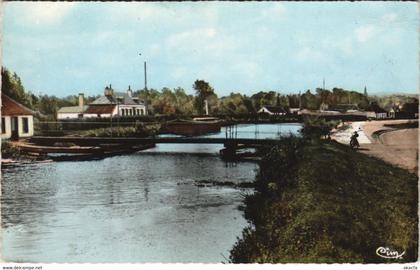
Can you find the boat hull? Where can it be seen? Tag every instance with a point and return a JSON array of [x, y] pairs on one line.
[[193, 128]]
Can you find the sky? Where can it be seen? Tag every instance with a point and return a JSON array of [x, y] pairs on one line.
[[70, 47]]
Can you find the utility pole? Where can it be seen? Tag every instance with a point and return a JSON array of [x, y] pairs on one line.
[[323, 84], [145, 86], [145, 76]]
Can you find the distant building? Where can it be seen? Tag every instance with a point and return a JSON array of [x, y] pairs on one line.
[[272, 110], [72, 112], [395, 109], [294, 110], [344, 108], [375, 112], [110, 105], [17, 121], [323, 107], [116, 104]]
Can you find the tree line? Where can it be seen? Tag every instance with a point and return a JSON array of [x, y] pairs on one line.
[[177, 102]]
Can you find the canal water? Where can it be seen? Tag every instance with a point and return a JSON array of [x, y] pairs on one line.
[[154, 206]]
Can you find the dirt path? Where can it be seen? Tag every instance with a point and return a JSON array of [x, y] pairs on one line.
[[398, 147]]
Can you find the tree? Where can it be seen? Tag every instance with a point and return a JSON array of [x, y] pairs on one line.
[[262, 98], [48, 106], [248, 104], [12, 86], [410, 109], [203, 90], [310, 101]]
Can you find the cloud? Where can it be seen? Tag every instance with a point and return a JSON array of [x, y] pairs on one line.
[[153, 13], [343, 45], [308, 54], [365, 33], [201, 44], [194, 36], [179, 72], [248, 70], [389, 17], [276, 12], [40, 13]]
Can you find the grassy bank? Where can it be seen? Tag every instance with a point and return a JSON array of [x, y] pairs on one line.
[[321, 202], [140, 130], [410, 124]]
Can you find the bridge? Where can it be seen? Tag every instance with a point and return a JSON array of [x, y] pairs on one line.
[[105, 146], [94, 141]]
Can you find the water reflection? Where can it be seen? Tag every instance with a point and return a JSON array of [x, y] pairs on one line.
[[144, 207]]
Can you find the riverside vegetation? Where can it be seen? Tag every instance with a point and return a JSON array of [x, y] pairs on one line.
[[317, 201], [139, 130], [177, 101]]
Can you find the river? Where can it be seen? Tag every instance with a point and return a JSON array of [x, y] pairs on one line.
[[151, 206]]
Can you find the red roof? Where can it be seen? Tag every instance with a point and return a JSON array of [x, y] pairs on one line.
[[100, 109], [11, 107]]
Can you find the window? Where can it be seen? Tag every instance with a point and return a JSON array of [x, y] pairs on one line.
[[25, 124], [3, 125]]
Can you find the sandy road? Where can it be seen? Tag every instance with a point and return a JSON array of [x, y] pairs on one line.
[[398, 147]]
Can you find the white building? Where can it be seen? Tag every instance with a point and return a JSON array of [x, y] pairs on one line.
[[72, 112], [17, 121], [272, 110], [111, 104]]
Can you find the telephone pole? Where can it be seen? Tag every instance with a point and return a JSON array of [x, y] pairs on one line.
[[145, 76], [145, 87]]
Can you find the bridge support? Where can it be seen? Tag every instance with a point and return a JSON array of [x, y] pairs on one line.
[[229, 152]]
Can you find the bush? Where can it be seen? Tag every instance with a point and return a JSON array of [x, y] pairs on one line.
[[314, 127], [140, 130], [9, 151]]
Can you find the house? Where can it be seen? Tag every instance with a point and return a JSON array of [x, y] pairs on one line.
[[272, 110], [72, 112], [112, 104], [293, 110], [17, 121], [344, 108], [373, 111], [116, 104]]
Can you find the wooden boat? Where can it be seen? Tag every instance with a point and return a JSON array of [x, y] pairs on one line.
[[67, 153], [195, 127]]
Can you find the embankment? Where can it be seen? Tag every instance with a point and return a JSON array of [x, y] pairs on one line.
[[324, 203]]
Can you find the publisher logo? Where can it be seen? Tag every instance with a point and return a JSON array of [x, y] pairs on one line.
[[388, 253]]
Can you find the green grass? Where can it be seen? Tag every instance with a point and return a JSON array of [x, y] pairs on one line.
[[410, 124], [133, 131], [324, 203]]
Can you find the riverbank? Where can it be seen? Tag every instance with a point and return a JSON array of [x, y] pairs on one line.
[[324, 203]]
